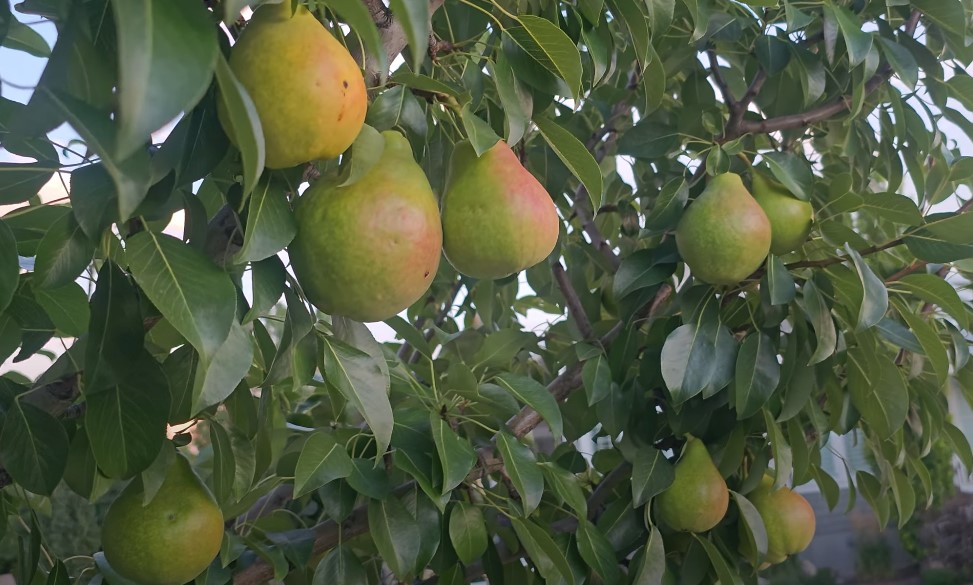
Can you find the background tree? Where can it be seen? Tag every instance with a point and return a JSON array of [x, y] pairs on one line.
[[621, 108]]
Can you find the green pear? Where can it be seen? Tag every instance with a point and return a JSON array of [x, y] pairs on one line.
[[369, 249], [790, 218], [788, 518], [698, 498], [497, 218], [308, 91], [172, 539], [723, 235]]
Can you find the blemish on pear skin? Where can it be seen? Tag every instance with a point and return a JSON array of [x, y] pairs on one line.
[[345, 83]]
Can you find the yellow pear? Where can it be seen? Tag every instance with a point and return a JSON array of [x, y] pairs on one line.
[[788, 518], [698, 498], [790, 218], [497, 218], [308, 91], [172, 539], [369, 249], [724, 235]]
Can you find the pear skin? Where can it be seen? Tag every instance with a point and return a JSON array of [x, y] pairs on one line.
[[724, 235], [497, 218], [790, 218], [172, 539], [307, 89], [788, 518], [370, 249], [698, 498]]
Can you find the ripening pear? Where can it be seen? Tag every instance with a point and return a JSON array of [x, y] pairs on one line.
[[307, 89], [698, 498], [790, 218], [724, 235], [369, 249], [788, 518], [497, 218], [172, 539]]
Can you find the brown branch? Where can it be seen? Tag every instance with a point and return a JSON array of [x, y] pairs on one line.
[[828, 110], [406, 353], [392, 36], [574, 303], [721, 84]]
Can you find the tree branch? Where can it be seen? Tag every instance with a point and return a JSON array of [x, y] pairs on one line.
[[574, 303], [829, 110], [392, 35]]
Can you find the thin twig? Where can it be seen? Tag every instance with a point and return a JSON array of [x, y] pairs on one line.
[[574, 303]]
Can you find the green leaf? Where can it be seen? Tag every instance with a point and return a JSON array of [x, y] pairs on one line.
[[362, 381], [126, 421], [820, 316], [637, 24], [947, 14], [754, 529], [566, 486], [546, 555], [597, 552], [481, 135], [780, 283], [191, 292], [892, 206], [652, 567], [597, 379], [521, 466], [21, 181], [396, 536], [728, 575], [904, 495], [268, 277], [322, 461], [757, 374], [688, 359], [358, 18], [652, 474], [467, 532], [772, 53], [224, 464], [668, 207], [875, 302], [960, 445], [700, 12], [9, 266], [270, 223], [648, 140], [67, 306], [365, 153], [575, 156], [928, 337], [414, 17], [166, 53], [241, 116], [132, 174], [517, 101], [219, 376], [857, 42], [902, 62], [21, 37], [639, 270], [877, 389], [793, 172], [63, 254], [534, 394], [93, 200], [547, 44], [33, 447], [933, 289], [115, 332], [455, 453], [340, 567], [783, 460]]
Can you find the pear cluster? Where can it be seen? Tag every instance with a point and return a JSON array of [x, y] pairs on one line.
[[370, 248], [726, 234]]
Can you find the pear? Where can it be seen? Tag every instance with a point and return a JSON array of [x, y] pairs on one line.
[[788, 518], [497, 218], [698, 498], [790, 218], [369, 249], [724, 235], [172, 539], [307, 89]]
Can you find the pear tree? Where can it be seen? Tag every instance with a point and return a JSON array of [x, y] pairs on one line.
[[463, 291]]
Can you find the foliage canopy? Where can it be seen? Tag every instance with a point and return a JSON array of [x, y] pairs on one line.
[[418, 457]]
